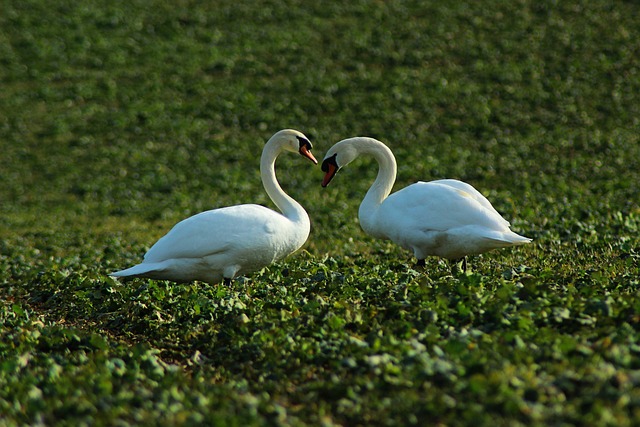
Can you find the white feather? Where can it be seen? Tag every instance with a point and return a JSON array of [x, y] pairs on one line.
[[228, 242], [445, 218]]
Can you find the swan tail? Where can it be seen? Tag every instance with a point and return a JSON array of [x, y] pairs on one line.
[[137, 270], [517, 239], [509, 239]]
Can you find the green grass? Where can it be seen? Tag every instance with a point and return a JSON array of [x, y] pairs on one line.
[[118, 119]]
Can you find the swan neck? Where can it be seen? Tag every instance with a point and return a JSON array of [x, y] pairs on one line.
[[285, 203], [381, 187]]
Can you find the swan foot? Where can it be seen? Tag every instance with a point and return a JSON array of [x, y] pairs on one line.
[[421, 263]]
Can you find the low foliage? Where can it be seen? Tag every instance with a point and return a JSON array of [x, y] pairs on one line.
[[117, 120]]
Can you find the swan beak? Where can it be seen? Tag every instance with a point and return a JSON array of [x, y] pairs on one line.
[[331, 172], [306, 153]]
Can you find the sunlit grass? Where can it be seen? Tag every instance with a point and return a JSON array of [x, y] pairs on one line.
[[118, 120]]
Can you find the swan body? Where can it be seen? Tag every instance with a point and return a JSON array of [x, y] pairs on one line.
[[221, 244], [445, 218]]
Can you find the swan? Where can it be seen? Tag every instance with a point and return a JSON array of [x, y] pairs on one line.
[[223, 243], [445, 218]]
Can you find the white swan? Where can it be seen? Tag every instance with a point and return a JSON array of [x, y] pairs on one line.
[[232, 241], [445, 218]]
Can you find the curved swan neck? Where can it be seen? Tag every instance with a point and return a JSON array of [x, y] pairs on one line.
[[287, 205], [381, 187]]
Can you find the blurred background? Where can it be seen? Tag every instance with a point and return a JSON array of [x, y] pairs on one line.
[[120, 118], [125, 117]]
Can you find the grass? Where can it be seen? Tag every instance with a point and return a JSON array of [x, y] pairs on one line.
[[117, 120]]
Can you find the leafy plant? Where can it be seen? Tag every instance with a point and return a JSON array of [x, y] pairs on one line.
[[117, 120]]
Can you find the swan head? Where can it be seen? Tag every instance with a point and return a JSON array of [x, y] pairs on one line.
[[341, 154], [295, 142]]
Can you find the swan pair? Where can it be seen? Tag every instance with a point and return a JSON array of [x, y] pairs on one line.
[[445, 218]]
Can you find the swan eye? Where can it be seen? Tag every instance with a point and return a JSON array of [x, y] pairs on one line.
[[304, 143], [329, 160]]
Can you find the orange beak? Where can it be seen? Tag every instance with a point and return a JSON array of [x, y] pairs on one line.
[[306, 153], [331, 172]]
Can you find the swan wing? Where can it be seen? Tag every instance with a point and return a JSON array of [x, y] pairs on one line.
[[472, 192], [439, 206], [438, 218], [215, 231]]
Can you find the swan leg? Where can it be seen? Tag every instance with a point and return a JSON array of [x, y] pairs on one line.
[[227, 281]]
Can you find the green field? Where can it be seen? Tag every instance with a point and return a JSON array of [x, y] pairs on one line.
[[118, 119]]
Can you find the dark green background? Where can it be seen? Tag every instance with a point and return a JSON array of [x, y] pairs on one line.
[[118, 119]]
